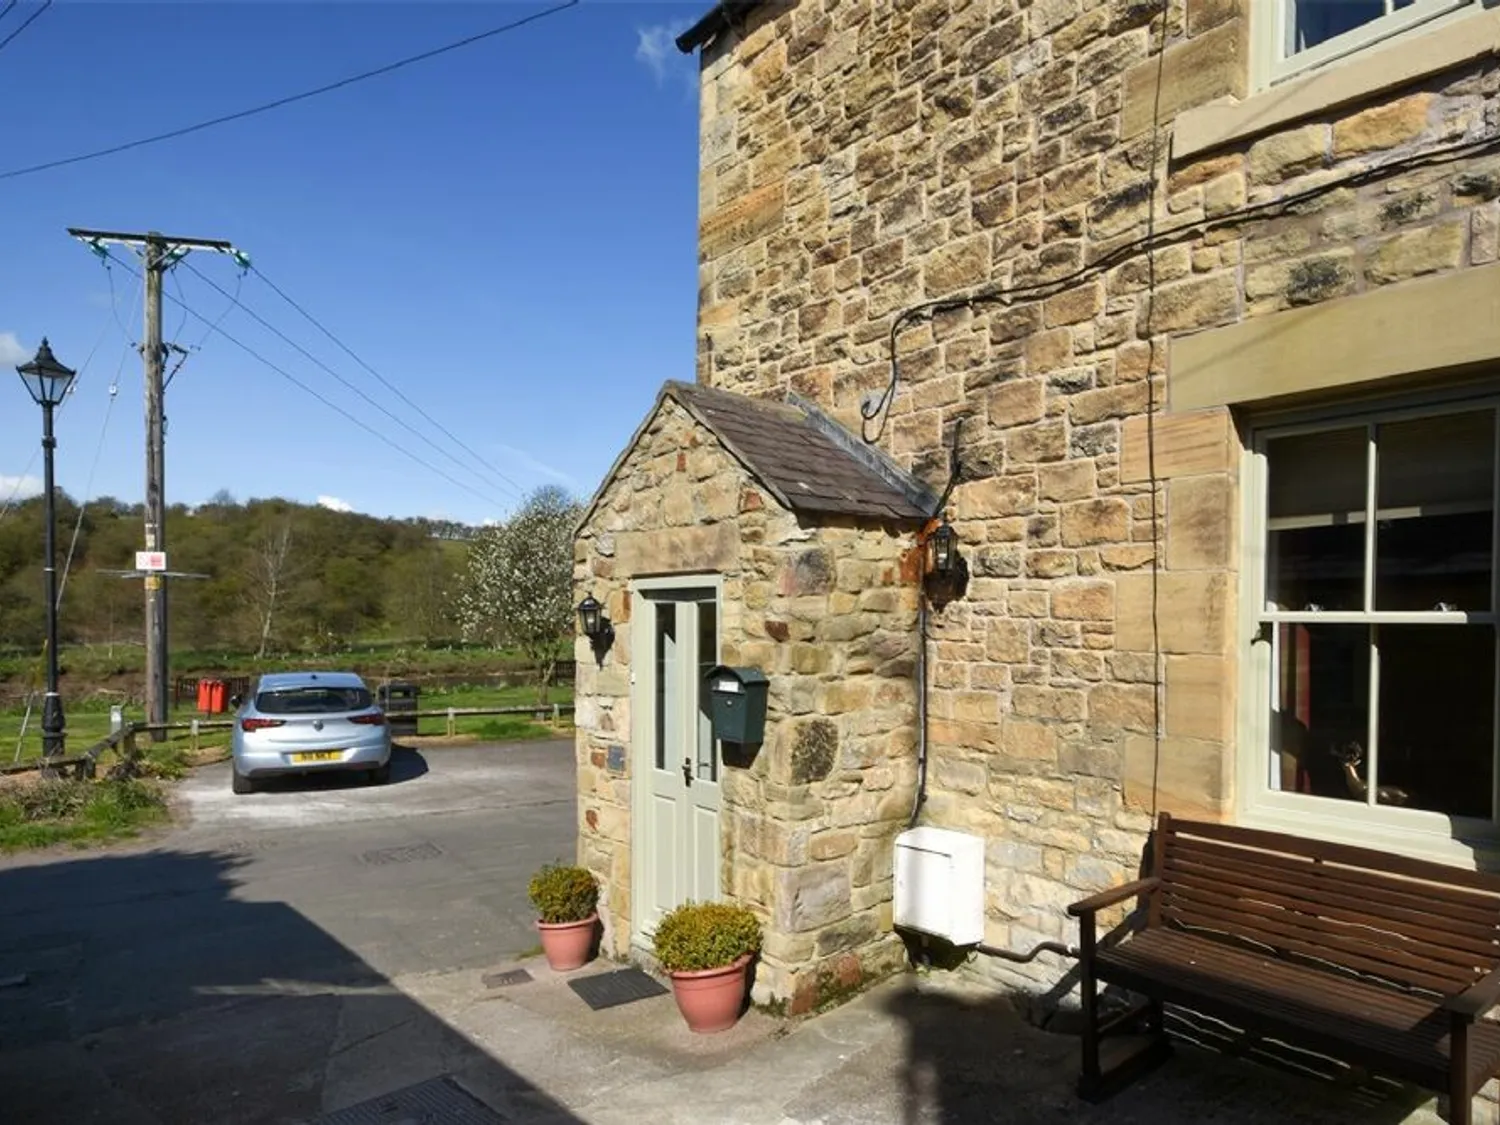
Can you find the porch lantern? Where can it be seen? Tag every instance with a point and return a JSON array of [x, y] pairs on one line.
[[591, 616], [942, 551]]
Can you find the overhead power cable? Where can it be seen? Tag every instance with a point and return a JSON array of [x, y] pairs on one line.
[[877, 406], [31, 19], [345, 383], [290, 99], [339, 410], [5, 11], [384, 382], [88, 488]]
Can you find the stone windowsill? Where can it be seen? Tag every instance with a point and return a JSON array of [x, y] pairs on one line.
[[1404, 60]]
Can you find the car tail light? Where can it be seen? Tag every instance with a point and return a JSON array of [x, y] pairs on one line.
[[375, 720], [261, 724]]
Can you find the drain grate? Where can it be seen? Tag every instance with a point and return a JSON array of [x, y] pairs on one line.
[[623, 986], [507, 978], [439, 1101], [407, 853]]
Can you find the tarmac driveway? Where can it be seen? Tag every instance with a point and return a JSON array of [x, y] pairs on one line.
[[238, 968]]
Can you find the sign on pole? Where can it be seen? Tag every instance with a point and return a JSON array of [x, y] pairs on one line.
[[151, 560]]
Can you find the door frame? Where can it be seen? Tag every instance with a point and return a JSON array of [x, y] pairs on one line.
[[642, 746]]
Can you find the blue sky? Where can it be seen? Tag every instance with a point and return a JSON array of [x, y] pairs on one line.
[[506, 233]]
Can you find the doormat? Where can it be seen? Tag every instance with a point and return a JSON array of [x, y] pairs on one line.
[[440, 1101], [623, 986]]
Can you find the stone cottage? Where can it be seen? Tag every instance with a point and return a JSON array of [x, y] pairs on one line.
[[1203, 297]]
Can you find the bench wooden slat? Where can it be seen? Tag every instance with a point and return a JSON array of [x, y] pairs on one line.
[[1475, 915], [1477, 940], [1356, 932], [1446, 879], [1273, 936], [1399, 1036], [1345, 950]]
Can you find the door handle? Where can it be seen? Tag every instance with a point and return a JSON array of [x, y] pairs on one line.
[[687, 771]]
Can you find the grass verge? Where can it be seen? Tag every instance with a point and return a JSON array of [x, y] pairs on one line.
[[42, 813]]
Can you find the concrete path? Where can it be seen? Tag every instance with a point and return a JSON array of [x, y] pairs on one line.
[[318, 949], [912, 1051]]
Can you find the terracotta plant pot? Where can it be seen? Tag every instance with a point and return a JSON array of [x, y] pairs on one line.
[[568, 944], [710, 999]]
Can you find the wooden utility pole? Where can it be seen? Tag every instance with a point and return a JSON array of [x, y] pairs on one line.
[[158, 253], [154, 255]]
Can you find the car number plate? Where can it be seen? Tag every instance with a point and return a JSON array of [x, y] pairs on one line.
[[318, 756]]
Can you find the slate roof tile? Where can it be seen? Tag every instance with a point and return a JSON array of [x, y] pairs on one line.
[[802, 465]]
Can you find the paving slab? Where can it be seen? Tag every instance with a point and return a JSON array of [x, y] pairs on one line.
[[307, 951], [912, 1051]]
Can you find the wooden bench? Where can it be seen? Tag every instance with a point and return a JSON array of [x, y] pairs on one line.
[[1376, 960]]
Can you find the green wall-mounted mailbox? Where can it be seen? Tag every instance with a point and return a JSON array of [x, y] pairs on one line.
[[737, 703]]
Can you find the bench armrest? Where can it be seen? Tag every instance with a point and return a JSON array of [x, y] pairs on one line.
[[1477, 999], [1099, 901]]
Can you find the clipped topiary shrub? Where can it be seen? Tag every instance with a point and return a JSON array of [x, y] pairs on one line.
[[705, 935], [563, 893]]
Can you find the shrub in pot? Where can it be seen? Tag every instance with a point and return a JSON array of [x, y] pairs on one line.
[[567, 900], [706, 947]]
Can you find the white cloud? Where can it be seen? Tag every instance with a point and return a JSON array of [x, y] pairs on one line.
[[656, 50], [14, 488], [11, 353], [334, 504]]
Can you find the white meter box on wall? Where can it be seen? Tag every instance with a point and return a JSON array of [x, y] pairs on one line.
[[940, 884]]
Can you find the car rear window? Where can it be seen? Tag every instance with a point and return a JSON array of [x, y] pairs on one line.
[[312, 700]]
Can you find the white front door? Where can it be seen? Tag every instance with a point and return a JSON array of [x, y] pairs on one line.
[[675, 643]]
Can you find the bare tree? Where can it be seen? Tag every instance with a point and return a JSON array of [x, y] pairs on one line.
[[270, 574]]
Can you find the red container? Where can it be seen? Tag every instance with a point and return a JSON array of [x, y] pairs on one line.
[[203, 697], [217, 703]]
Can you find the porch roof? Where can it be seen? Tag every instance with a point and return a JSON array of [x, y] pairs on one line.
[[805, 459], [808, 462]]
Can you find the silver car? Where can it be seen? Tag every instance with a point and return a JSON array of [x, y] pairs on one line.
[[309, 722]]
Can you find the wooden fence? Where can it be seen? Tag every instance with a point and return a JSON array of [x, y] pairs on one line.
[[123, 740]]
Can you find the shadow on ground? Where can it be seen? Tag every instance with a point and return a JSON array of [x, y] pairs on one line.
[[154, 995], [972, 1060]]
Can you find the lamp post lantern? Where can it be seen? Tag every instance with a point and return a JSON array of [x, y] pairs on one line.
[[48, 380]]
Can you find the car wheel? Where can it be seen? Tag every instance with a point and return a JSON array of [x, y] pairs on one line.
[[380, 775], [240, 783]]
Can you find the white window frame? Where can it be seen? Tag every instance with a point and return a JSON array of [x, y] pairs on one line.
[[1465, 842], [1271, 28]]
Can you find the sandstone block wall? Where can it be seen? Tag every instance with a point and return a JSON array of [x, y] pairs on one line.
[[859, 159], [827, 612]]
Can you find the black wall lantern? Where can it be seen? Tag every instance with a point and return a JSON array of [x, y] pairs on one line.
[[942, 551], [595, 625]]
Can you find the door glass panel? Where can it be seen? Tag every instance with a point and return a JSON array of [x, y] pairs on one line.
[[1437, 713], [708, 657], [1322, 718], [1435, 504], [1315, 520], [668, 689]]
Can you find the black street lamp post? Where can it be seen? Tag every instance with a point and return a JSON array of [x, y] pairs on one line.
[[48, 382]]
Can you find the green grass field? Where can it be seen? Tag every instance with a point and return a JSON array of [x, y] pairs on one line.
[[88, 722], [395, 659]]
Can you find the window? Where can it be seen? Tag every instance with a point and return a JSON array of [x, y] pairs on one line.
[[1307, 33], [1376, 625], [312, 701]]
